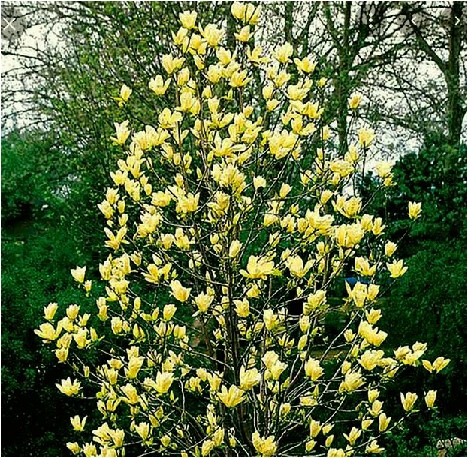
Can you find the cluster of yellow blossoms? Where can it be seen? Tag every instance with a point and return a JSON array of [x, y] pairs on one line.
[[231, 221]]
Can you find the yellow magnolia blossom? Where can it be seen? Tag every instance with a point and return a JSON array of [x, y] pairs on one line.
[[283, 53], [188, 19], [258, 268], [234, 248], [430, 398], [264, 446], [68, 387], [49, 311], [203, 302], [353, 435], [163, 382], [365, 137], [354, 101], [296, 266], [125, 93], [396, 268], [78, 423], [439, 364], [244, 34], [363, 267], [370, 334], [414, 210], [47, 331], [79, 274], [169, 311], [172, 64], [73, 447], [312, 369], [384, 421], [390, 248], [305, 65], [373, 447], [352, 381], [232, 397], [212, 35], [158, 86], [121, 133], [408, 401], [180, 292], [249, 378]]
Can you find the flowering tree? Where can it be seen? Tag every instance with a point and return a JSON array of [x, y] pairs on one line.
[[231, 222]]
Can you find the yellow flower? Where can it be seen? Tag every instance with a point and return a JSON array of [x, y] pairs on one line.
[[312, 369], [270, 319], [283, 53], [440, 363], [396, 268], [365, 424], [238, 10], [188, 19], [78, 423], [372, 395], [244, 34], [79, 274], [310, 445], [365, 137], [314, 428], [212, 35], [373, 447], [74, 447], [163, 382], [408, 401], [242, 308], [158, 86], [179, 292], [414, 210], [134, 366], [49, 311], [264, 446], [125, 92], [121, 133], [349, 235], [68, 387], [143, 430], [296, 266], [169, 310], [390, 248], [376, 408], [430, 398], [353, 435], [232, 397], [239, 79], [305, 65], [370, 359], [47, 332], [363, 267], [352, 381], [214, 73], [370, 334], [172, 64], [249, 378], [258, 268], [314, 301], [384, 421], [384, 169], [203, 301], [234, 248], [355, 101]]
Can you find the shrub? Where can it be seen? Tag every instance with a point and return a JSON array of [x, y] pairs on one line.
[[230, 224]]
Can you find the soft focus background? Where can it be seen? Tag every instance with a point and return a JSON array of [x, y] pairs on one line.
[[62, 65]]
